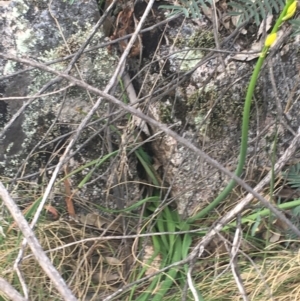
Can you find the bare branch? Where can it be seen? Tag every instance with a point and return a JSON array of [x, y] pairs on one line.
[[9, 291]]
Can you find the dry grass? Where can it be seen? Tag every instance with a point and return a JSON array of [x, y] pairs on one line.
[[96, 269], [274, 278], [90, 269]]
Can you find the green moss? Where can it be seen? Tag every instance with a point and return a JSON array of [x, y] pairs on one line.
[[165, 113], [199, 39], [202, 39], [224, 113]]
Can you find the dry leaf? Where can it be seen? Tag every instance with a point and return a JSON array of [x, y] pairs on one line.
[[272, 237], [248, 55], [113, 261], [52, 210], [98, 221], [105, 277], [207, 12], [262, 26], [125, 25], [281, 225], [275, 237], [93, 219], [235, 20], [154, 266]]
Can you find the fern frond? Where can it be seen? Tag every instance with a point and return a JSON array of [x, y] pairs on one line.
[[293, 176], [296, 211], [246, 9], [296, 26], [295, 219], [257, 9], [188, 7]]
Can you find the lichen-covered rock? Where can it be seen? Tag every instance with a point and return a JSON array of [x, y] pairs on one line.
[[207, 109], [47, 31]]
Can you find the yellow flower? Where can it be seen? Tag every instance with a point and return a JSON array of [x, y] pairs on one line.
[[290, 11], [271, 38]]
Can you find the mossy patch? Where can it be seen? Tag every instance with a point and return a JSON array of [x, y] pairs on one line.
[[202, 39], [212, 115], [165, 111], [199, 39]]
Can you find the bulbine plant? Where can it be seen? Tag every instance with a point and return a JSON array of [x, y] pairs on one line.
[[173, 245]]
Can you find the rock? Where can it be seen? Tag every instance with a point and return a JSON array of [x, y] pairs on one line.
[[47, 32], [207, 110]]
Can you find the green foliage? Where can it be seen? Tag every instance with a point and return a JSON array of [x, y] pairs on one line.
[[296, 26], [70, 1], [296, 211], [295, 219], [293, 179], [187, 7], [256, 9], [246, 9], [293, 176]]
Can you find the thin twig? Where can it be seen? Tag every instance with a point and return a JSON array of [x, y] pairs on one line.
[[150, 28], [191, 284], [42, 203], [26, 104], [10, 292], [22, 281], [280, 113], [234, 262], [36, 96]]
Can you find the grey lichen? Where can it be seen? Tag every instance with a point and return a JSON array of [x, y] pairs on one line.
[[36, 34], [21, 27]]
